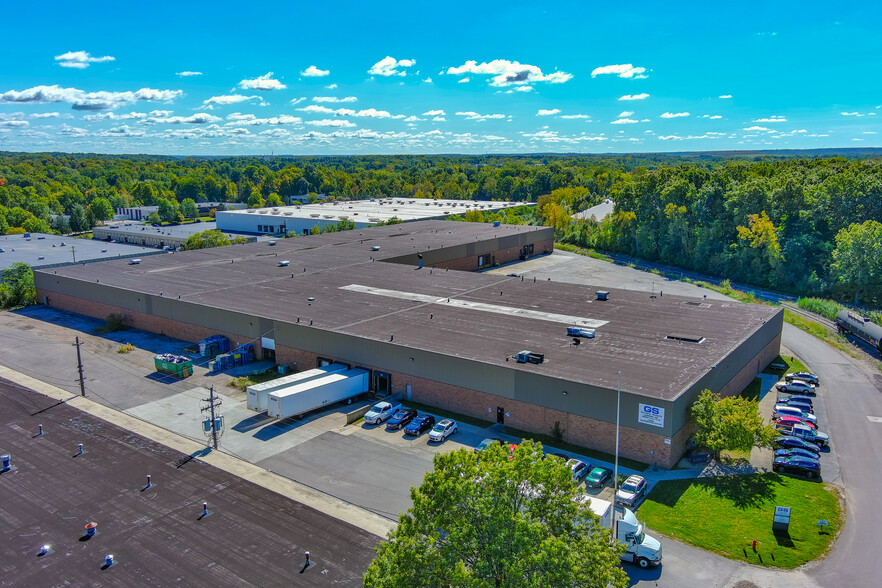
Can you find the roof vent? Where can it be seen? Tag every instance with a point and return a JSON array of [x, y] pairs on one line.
[[602, 295], [683, 338]]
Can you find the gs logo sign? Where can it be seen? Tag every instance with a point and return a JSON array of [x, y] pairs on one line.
[[651, 410], [651, 415]]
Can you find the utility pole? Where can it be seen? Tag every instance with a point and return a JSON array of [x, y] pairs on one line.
[[80, 368], [212, 404]]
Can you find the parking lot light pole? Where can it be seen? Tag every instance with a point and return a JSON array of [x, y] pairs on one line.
[[618, 414]]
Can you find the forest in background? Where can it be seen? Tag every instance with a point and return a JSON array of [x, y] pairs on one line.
[[804, 226]]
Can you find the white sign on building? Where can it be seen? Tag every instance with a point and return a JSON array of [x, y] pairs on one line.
[[651, 415]]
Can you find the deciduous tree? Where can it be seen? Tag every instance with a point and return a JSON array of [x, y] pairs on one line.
[[857, 259], [729, 424], [494, 521]]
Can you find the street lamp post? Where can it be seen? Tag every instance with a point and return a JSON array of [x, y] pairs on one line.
[[618, 414]]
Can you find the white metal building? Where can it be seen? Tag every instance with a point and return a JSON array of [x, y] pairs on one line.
[[364, 213]]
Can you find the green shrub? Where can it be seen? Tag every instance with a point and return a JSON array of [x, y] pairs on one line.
[[826, 308]]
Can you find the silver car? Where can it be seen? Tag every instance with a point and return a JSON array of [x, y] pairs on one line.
[[442, 430], [631, 491]]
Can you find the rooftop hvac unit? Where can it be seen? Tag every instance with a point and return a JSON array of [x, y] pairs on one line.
[[284, 263], [580, 332], [375, 247], [270, 243], [250, 211], [134, 261], [602, 295], [528, 356]]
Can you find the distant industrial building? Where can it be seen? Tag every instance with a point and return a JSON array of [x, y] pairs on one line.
[[301, 220], [40, 250], [405, 303], [171, 236], [142, 213]]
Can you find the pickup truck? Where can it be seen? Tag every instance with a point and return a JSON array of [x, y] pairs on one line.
[[809, 434], [381, 412]]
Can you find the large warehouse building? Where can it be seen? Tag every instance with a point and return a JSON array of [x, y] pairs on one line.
[[303, 219], [446, 337]]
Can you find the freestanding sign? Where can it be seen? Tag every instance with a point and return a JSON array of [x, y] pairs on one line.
[[651, 415]]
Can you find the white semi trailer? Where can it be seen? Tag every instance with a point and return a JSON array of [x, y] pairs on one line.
[[640, 548], [258, 394], [304, 397]]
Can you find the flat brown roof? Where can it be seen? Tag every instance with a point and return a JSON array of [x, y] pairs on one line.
[[488, 317], [254, 537]]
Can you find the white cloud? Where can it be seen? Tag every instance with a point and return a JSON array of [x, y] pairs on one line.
[[113, 116], [869, 133], [428, 80], [756, 128], [674, 114], [574, 116], [45, 115], [510, 73], [331, 87], [80, 59], [413, 118], [14, 124], [314, 72], [624, 121], [334, 99], [625, 70], [439, 119], [389, 66], [643, 96], [626, 114], [200, 118], [772, 119], [543, 112], [70, 131], [670, 137], [229, 99], [330, 123], [366, 113], [434, 113], [710, 116], [479, 117], [374, 113], [262, 83], [319, 109], [187, 74], [295, 101], [237, 119], [725, 96], [81, 100], [464, 81], [857, 114]]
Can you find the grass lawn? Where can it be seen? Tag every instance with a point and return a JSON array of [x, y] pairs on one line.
[[725, 514]]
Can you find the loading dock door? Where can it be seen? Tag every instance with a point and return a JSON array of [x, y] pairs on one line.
[[500, 415]]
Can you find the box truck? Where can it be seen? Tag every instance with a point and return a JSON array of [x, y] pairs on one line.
[[306, 396], [640, 548], [258, 393]]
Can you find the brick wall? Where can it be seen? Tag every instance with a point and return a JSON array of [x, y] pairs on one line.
[[753, 367], [140, 320], [500, 257]]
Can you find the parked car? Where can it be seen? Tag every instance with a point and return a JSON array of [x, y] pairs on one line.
[[791, 442], [784, 398], [810, 468], [796, 452], [789, 421], [419, 425], [804, 376], [380, 413], [631, 491], [580, 470], [809, 434], [784, 410], [442, 430], [400, 419], [797, 404], [598, 477], [797, 386], [487, 443]]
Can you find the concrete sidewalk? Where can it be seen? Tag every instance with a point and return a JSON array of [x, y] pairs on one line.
[[320, 501]]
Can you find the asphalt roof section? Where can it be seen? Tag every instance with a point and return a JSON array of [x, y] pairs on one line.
[[43, 250], [489, 317], [252, 537]]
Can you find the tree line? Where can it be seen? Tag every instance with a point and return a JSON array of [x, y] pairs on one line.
[[799, 225]]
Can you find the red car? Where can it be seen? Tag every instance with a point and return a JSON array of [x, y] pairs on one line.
[[789, 421]]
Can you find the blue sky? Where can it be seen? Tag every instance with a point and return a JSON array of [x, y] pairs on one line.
[[228, 78]]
